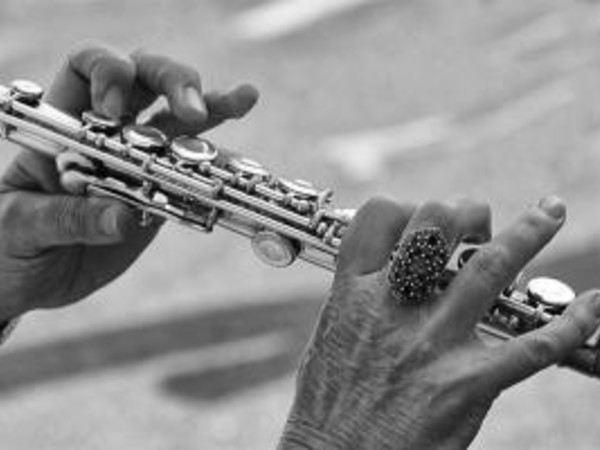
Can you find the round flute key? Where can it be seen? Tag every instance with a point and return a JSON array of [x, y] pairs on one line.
[[299, 188], [248, 167], [27, 91], [274, 249], [193, 150], [99, 122], [550, 292], [145, 138]]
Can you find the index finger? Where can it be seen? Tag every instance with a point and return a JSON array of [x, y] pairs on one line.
[[495, 265], [180, 83], [522, 357]]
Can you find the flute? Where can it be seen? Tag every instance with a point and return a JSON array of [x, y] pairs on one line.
[[193, 182]]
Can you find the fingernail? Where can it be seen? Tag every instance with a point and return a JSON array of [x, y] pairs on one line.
[[193, 99], [113, 103], [553, 206], [109, 221]]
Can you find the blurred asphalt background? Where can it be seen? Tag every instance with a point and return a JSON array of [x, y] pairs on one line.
[[196, 346]]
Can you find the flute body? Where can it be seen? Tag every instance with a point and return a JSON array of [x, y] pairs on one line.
[[191, 181]]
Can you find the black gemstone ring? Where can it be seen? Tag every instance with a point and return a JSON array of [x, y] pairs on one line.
[[417, 264]]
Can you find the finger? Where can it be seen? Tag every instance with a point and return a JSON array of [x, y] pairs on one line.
[[233, 104], [75, 172], [463, 220], [221, 107], [70, 160], [181, 85], [94, 77], [526, 355], [31, 171], [473, 221], [36, 222], [495, 265], [421, 254], [369, 239], [75, 182]]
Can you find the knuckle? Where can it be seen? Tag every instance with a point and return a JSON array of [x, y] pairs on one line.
[[84, 58], [439, 214], [436, 207], [579, 321], [114, 68], [162, 75], [188, 73], [138, 54], [491, 264], [470, 207], [542, 349], [139, 59], [537, 223], [153, 69], [171, 74], [426, 349]]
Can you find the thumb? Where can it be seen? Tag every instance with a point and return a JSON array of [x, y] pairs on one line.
[[41, 221]]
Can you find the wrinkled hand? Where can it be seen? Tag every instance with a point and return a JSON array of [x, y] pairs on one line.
[[55, 247], [384, 374]]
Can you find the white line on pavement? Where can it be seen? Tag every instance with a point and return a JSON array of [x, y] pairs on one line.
[[543, 33], [507, 120], [362, 156], [277, 18]]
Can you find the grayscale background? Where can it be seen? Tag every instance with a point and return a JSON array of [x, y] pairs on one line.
[[196, 346]]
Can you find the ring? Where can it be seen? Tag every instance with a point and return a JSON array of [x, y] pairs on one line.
[[417, 264]]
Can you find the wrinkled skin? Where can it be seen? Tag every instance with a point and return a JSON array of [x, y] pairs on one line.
[[383, 374], [58, 246]]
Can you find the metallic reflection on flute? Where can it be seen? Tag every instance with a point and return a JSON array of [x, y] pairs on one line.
[[191, 181]]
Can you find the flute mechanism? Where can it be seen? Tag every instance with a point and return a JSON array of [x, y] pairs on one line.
[[191, 181]]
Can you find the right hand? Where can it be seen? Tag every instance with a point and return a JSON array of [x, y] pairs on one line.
[[382, 372], [55, 247]]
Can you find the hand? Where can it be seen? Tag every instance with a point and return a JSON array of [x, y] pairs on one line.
[[384, 373], [55, 247]]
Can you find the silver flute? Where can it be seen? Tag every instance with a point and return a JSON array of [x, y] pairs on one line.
[[191, 181]]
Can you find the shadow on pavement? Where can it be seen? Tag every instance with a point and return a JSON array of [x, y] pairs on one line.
[[292, 320], [215, 384], [114, 349]]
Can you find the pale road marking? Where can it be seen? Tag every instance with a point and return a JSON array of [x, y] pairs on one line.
[[364, 156], [278, 18], [510, 118], [546, 32]]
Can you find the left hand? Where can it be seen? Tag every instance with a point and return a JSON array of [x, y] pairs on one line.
[[55, 247], [383, 372]]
